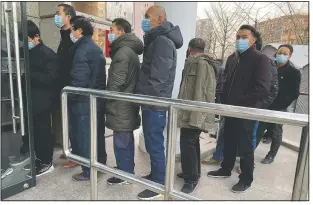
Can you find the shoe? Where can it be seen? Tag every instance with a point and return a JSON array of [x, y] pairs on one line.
[[62, 156], [80, 177], [44, 169], [211, 161], [267, 140], [218, 174], [149, 195], [117, 181], [27, 167], [182, 175], [20, 160], [149, 177], [268, 159], [240, 187], [70, 164], [37, 164], [6, 172], [189, 187], [213, 136]]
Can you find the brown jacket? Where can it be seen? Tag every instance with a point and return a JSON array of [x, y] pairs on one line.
[[198, 84]]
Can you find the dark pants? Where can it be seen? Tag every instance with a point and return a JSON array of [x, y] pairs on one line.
[[275, 131], [190, 153], [43, 138], [80, 133], [238, 136], [124, 150], [153, 123], [57, 128], [5, 162], [218, 153]]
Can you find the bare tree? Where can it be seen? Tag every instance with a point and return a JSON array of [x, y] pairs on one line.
[[204, 31]]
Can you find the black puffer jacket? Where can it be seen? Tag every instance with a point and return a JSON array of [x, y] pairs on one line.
[[122, 77], [158, 68], [274, 87]]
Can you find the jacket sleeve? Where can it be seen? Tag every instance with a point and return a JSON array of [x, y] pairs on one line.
[[205, 80], [161, 63], [262, 83], [118, 75], [81, 71], [48, 75], [294, 88]]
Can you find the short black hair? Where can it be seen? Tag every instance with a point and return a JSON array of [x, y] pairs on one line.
[[122, 24], [197, 44], [68, 10], [32, 29], [259, 41], [287, 46], [80, 22], [250, 28]]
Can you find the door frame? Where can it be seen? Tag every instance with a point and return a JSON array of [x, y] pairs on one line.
[[31, 182]]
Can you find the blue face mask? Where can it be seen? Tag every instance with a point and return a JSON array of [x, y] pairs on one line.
[[281, 59], [242, 45], [111, 37], [58, 21], [145, 25], [73, 38], [30, 45]]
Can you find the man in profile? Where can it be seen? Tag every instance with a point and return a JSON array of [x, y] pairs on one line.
[[156, 78]]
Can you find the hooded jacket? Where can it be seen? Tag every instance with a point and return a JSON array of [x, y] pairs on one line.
[[158, 68], [122, 77], [198, 84]]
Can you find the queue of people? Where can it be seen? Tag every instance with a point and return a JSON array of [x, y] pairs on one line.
[[248, 80]]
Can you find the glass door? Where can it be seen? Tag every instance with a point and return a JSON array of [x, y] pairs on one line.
[[17, 155]]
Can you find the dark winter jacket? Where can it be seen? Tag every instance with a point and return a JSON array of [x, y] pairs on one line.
[[158, 68], [198, 84], [219, 83], [88, 71], [122, 77], [248, 79], [274, 87], [65, 59], [289, 79], [43, 76]]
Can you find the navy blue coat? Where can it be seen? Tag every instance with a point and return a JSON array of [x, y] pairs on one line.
[[88, 71]]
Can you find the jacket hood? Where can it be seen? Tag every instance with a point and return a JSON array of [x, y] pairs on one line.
[[130, 40], [207, 58], [169, 30]]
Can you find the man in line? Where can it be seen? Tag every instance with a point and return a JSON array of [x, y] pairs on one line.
[[198, 84], [156, 78], [88, 72], [248, 81], [289, 79], [123, 117], [62, 19]]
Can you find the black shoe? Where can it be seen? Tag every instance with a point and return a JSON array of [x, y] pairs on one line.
[[117, 181], [149, 177], [268, 159], [189, 187], [80, 177], [183, 176], [44, 169], [6, 172], [240, 187], [219, 174], [37, 164], [20, 160], [149, 195]]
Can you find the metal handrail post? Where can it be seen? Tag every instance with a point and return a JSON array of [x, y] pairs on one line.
[[171, 151], [300, 170], [93, 148], [65, 123]]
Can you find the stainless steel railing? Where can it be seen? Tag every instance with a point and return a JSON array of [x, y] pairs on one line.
[[300, 187]]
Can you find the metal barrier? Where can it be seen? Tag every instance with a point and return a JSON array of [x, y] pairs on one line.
[[300, 185]]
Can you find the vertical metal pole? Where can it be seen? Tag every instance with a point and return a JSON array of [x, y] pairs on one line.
[[5, 15], [93, 148], [18, 67], [171, 151], [65, 123], [298, 187]]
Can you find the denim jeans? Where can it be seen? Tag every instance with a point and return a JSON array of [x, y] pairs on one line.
[[80, 131], [124, 150], [153, 123], [218, 154]]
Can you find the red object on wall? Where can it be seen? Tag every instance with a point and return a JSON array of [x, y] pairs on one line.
[[107, 44]]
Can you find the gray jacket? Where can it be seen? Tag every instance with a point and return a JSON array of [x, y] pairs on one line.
[[158, 68], [122, 77], [198, 84]]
